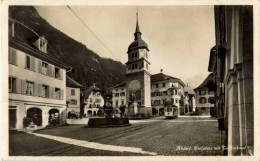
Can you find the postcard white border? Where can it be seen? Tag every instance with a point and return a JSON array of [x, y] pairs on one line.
[[4, 73]]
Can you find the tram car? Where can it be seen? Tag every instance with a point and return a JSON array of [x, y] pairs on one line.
[[170, 111]]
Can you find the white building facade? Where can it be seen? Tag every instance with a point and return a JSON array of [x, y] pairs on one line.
[[73, 96], [205, 98], [165, 87], [93, 101], [37, 81]]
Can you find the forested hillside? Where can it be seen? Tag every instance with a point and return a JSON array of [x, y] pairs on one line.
[[87, 66]]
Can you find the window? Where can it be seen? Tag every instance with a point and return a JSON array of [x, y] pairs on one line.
[[176, 100], [72, 92], [202, 100], [28, 62], [133, 66], [98, 94], [45, 91], [135, 54], [146, 66], [116, 103], [211, 100], [163, 84], [57, 72], [29, 88], [73, 102], [90, 100], [157, 102], [202, 92], [98, 100], [211, 92], [157, 85], [122, 102], [43, 46], [57, 93], [175, 92], [44, 68], [12, 84], [165, 93], [116, 94], [12, 56], [122, 94]]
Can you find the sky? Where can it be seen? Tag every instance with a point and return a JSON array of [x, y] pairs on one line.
[[179, 37]]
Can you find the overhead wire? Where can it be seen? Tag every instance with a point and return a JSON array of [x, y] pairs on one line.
[[93, 33]]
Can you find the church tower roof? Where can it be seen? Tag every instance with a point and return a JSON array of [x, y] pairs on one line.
[[138, 43]]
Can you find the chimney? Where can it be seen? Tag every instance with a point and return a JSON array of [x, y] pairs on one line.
[[161, 70]]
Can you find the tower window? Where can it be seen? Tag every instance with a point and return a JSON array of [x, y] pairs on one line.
[[135, 65]]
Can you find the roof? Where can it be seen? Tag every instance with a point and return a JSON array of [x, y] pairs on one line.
[[23, 40], [120, 85], [212, 59], [90, 89], [72, 83], [162, 77], [205, 83]]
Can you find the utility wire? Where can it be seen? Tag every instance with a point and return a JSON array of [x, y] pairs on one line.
[[92, 32]]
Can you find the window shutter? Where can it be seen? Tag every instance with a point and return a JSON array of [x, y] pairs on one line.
[[53, 92], [23, 86], [14, 55], [61, 74], [39, 90], [39, 66], [35, 89], [10, 55], [33, 63], [53, 70], [18, 86], [61, 94], [50, 92], [49, 70]]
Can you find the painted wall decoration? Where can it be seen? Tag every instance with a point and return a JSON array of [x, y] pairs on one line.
[[134, 90]]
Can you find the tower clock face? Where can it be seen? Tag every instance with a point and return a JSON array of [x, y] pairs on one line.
[[134, 85]]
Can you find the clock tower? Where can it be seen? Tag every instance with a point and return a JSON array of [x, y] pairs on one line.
[[138, 77]]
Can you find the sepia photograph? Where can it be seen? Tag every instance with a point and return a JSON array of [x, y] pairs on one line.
[[130, 80]]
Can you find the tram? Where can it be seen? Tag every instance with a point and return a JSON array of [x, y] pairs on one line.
[[170, 111]]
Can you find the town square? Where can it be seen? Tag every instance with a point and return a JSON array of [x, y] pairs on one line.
[[131, 80]]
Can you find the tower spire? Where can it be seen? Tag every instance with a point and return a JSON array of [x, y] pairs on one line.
[[137, 29]]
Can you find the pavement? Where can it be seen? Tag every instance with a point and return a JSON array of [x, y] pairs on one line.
[[184, 136]]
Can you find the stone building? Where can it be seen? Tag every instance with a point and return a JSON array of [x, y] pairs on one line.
[[205, 96], [93, 100], [73, 96], [37, 81], [231, 61], [165, 87], [119, 95], [138, 77]]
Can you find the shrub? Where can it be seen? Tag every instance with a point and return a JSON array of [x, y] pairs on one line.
[[26, 121]]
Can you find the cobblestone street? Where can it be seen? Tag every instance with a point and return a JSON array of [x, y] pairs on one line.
[[178, 137]]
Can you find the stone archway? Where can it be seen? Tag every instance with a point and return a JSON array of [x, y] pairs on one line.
[[161, 111], [89, 112], [35, 114], [54, 114], [154, 111]]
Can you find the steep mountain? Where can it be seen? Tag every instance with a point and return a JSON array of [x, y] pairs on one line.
[[194, 82], [88, 67]]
